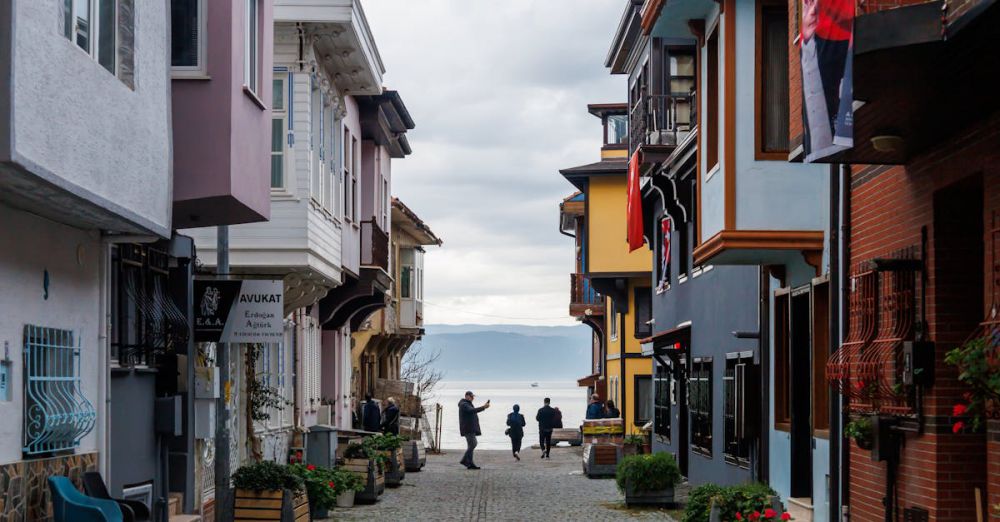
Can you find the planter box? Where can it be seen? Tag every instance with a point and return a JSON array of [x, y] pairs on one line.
[[395, 471], [373, 477], [278, 505], [414, 455], [662, 497], [601, 460]]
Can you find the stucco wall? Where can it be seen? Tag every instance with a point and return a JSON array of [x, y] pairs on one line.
[[606, 212], [78, 126], [72, 259]]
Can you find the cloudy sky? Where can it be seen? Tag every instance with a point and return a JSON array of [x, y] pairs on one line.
[[499, 92]]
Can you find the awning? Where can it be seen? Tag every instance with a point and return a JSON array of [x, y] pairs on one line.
[[590, 380], [675, 341]]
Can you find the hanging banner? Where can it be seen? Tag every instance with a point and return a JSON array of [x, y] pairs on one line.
[[827, 89], [238, 311]]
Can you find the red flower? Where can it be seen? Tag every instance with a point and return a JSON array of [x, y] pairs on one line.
[[786, 516], [310, 467], [332, 485], [755, 515], [957, 427], [769, 513], [958, 410], [739, 516]]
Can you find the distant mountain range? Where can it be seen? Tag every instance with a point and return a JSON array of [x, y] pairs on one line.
[[509, 352]]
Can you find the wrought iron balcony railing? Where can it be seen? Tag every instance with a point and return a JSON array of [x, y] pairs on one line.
[[374, 245]]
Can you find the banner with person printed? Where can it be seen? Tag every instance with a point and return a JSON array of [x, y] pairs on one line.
[[827, 47]]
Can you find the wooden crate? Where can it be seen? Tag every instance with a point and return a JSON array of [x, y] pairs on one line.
[[370, 474], [278, 505], [601, 460]]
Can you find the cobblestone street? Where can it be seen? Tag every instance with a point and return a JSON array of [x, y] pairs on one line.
[[533, 489]]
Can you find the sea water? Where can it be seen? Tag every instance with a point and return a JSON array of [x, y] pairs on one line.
[[567, 396]]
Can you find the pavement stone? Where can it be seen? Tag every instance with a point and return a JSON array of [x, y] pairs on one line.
[[532, 489]]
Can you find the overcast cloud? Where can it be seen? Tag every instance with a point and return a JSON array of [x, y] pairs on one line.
[[499, 93]]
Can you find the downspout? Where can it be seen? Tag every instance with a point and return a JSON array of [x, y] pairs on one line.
[[104, 355], [623, 399], [834, 338], [845, 256]]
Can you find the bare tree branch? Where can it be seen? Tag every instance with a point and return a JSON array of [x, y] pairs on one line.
[[418, 368]]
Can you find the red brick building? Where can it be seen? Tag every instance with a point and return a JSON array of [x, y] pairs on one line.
[[919, 248]]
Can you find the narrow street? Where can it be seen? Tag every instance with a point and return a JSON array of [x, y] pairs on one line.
[[533, 489]]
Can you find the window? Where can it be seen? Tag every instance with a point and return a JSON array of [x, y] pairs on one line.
[[330, 157], [348, 172], [187, 37], [251, 53], [772, 79], [52, 392], [104, 29], [643, 399], [385, 204], [683, 249], [355, 169], [782, 408], [663, 269], [712, 102], [613, 328], [406, 273], [643, 298], [279, 115], [739, 390], [682, 78], [661, 401], [700, 388], [617, 130]]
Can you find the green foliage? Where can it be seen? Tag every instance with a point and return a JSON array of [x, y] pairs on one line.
[[700, 502], [348, 481], [367, 450], [859, 429], [321, 484], [636, 440], [647, 472], [261, 398], [385, 442], [978, 363], [266, 475], [744, 499]]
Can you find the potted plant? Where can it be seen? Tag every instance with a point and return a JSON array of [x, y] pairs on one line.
[[391, 447], [860, 429], [744, 502], [321, 485], [369, 465], [349, 484], [978, 363], [648, 479], [259, 485], [632, 444]]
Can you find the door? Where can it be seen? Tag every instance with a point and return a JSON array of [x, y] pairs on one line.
[[683, 446], [800, 393]]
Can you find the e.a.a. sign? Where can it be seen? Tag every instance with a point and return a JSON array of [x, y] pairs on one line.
[[238, 311]]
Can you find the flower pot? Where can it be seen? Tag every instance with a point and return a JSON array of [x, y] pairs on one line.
[[345, 499], [277, 505], [647, 448], [394, 469], [865, 444], [371, 475], [414, 455], [630, 449], [659, 497]]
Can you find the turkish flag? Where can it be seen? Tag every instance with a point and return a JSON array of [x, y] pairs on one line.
[[634, 217]]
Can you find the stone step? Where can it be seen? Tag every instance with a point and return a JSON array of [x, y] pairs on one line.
[[801, 509], [185, 518]]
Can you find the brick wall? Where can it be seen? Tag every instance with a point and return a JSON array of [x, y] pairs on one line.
[[939, 470], [794, 77]]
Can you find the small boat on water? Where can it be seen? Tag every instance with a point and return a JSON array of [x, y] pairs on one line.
[[534, 385]]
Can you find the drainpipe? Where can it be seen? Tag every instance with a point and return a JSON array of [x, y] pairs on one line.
[[623, 400], [845, 256], [104, 355], [222, 464], [834, 337]]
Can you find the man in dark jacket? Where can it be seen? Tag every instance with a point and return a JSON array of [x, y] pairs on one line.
[[371, 418], [546, 418], [391, 422], [468, 426], [595, 410]]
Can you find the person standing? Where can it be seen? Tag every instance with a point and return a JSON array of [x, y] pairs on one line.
[[391, 422], [558, 420], [468, 426], [595, 410], [611, 412], [371, 417], [515, 430], [546, 418]]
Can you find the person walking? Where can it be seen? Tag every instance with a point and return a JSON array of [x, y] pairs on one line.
[[371, 416], [391, 422], [558, 420], [611, 412], [546, 418], [515, 430], [468, 426], [595, 410]]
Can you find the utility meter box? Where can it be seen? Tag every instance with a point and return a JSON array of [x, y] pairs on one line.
[[918, 363], [206, 382]]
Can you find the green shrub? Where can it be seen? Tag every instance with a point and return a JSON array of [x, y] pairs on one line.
[[699, 502], [647, 472], [636, 440], [385, 442], [366, 450], [320, 483], [266, 475], [348, 481], [744, 499]]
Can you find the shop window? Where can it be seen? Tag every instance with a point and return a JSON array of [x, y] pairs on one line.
[[700, 389], [739, 388]]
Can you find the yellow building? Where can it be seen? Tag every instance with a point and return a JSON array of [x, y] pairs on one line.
[[622, 279]]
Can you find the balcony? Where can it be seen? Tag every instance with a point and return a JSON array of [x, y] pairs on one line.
[[374, 246], [584, 299]]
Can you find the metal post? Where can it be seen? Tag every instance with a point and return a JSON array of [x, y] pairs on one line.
[[222, 464]]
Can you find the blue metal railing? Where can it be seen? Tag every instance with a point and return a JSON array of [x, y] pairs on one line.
[[581, 291], [56, 414]]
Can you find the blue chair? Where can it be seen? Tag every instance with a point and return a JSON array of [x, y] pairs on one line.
[[70, 505]]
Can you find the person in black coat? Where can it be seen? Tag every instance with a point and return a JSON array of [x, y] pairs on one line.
[[468, 426], [390, 424], [546, 418], [611, 412], [371, 417], [515, 430]]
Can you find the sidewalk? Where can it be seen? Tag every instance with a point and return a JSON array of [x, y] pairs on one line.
[[533, 489]]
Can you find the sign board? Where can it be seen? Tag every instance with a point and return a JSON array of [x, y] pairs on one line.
[[238, 311], [827, 53]]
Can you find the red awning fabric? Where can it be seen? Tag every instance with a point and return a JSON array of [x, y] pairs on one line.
[[634, 217]]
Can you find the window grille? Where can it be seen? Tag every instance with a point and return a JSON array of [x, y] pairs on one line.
[[56, 414]]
